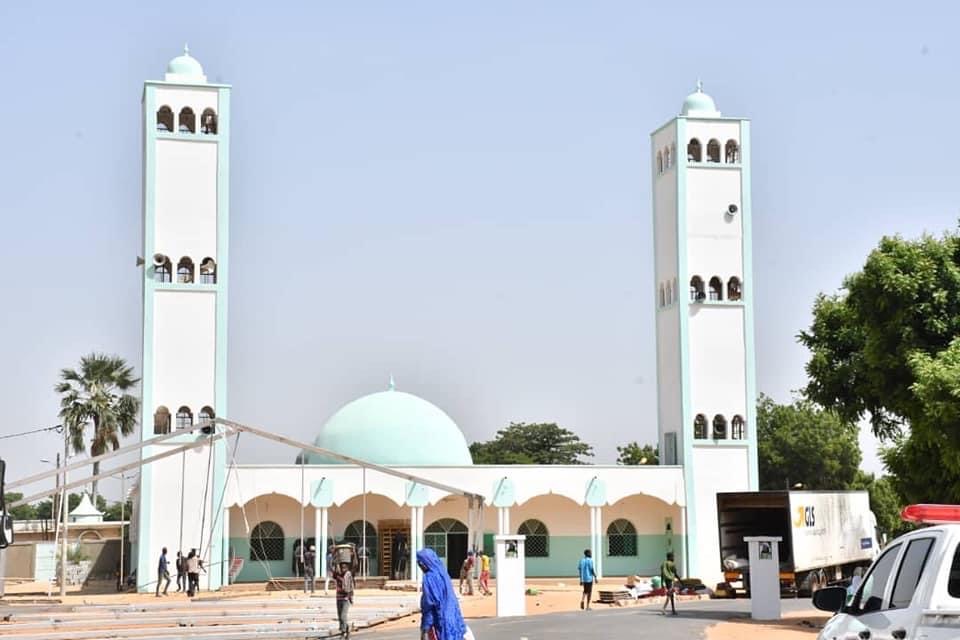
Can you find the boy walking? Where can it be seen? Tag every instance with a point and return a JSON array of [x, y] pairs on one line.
[[668, 573], [163, 571], [484, 573], [587, 575], [344, 597], [309, 569]]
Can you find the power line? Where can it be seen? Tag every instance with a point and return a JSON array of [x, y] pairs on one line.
[[58, 428]]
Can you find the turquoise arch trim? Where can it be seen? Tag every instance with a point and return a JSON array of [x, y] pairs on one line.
[[746, 205], [689, 567]]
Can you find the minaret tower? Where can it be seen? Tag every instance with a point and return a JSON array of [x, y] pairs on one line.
[[186, 179], [704, 300]]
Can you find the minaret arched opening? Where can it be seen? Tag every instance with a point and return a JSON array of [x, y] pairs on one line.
[[694, 151], [716, 289], [208, 271], [165, 119], [734, 289], [737, 431], [659, 162], [162, 268], [713, 150], [185, 271], [184, 418], [208, 122], [663, 299], [732, 152], [696, 289], [188, 121], [719, 427], [161, 420], [700, 427]]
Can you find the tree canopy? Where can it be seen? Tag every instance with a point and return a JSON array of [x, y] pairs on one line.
[[802, 443], [887, 348], [540, 443], [633, 454]]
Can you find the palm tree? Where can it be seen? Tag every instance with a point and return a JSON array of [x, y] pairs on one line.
[[97, 394]]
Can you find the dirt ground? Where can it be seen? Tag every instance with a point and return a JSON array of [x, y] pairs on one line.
[[801, 625]]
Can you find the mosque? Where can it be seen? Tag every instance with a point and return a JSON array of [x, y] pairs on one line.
[[248, 521]]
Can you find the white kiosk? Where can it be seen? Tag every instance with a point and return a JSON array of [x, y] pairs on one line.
[[511, 576], [764, 555]]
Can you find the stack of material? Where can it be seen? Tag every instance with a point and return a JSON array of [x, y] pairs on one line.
[[616, 597]]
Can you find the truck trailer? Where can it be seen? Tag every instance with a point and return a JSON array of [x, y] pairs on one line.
[[825, 535]]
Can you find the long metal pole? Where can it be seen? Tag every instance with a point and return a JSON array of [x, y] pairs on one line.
[[123, 503], [364, 554], [64, 507]]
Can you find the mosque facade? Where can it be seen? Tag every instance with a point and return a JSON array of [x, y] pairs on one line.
[[248, 521]]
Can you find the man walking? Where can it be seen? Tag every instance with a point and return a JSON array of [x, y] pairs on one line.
[[587, 575], [181, 568], [163, 572], [668, 573], [193, 572], [309, 569], [466, 574], [344, 597]]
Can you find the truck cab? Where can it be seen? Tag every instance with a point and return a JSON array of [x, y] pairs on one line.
[[912, 590]]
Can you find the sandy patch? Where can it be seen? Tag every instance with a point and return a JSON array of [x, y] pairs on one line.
[[798, 625]]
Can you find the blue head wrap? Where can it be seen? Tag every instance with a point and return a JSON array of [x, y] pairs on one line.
[[439, 608]]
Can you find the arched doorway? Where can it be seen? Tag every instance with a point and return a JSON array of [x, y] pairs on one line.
[[449, 539]]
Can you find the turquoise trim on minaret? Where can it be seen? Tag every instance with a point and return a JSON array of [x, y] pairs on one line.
[[686, 412], [144, 549], [748, 296]]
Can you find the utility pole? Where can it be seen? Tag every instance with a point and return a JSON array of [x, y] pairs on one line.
[[123, 502], [63, 515]]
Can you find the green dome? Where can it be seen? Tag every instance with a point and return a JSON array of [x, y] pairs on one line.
[[185, 65], [699, 104], [393, 428]]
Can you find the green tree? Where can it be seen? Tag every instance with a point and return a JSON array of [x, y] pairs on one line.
[[633, 454], [112, 512], [24, 511], [885, 502], [802, 443], [98, 395], [521, 443], [886, 348]]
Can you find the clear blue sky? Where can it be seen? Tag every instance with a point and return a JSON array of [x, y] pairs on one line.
[[457, 194]]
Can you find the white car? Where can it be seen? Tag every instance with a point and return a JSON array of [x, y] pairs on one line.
[[912, 589]]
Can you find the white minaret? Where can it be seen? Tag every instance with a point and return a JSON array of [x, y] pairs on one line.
[[186, 133], [705, 362]]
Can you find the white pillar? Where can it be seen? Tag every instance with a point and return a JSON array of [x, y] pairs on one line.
[[599, 551], [321, 519], [593, 535], [416, 540], [225, 557]]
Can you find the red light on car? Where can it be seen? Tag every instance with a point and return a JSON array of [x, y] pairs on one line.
[[931, 513]]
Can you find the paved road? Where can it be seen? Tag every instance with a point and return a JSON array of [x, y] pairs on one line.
[[632, 622]]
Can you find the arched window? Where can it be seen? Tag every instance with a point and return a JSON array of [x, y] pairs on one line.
[[673, 153], [353, 535], [184, 418], [676, 290], [538, 538], [696, 289], [208, 121], [161, 420], [663, 299], [185, 271], [206, 414], [719, 427], [670, 298], [667, 158], [208, 271], [713, 151], [734, 290], [716, 289], [621, 538], [737, 430], [700, 427], [165, 119], [435, 536], [732, 152], [266, 541], [188, 121], [162, 270], [659, 163], [694, 151]]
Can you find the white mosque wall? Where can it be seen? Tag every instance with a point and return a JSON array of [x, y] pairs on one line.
[[665, 209], [669, 386], [184, 344], [717, 368], [186, 200], [720, 468]]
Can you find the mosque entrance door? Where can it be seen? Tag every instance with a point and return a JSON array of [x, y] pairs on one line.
[[448, 538], [395, 549]]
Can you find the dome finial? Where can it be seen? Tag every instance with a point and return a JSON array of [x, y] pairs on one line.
[[186, 49], [699, 85], [393, 385]]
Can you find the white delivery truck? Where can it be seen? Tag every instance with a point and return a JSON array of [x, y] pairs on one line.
[[826, 535], [912, 590]]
